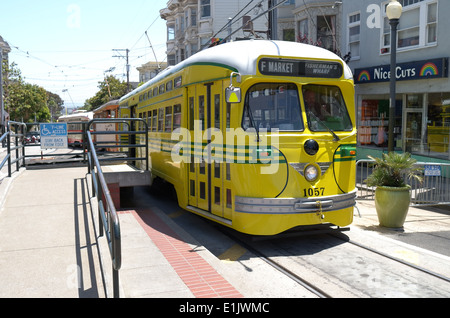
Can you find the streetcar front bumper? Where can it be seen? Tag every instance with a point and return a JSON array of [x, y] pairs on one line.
[[295, 205]]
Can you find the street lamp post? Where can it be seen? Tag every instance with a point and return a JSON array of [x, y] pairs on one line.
[[393, 12]]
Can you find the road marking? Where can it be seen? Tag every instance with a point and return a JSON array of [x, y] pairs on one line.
[[233, 253], [408, 256], [176, 214]]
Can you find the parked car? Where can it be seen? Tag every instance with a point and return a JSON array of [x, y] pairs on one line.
[[32, 137]]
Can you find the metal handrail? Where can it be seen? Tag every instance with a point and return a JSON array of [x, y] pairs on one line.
[[6, 134], [128, 122], [17, 146], [109, 217]]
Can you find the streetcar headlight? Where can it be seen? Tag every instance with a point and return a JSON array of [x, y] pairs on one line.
[[311, 147], [311, 173]]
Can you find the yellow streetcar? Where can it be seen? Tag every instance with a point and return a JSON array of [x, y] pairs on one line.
[[256, 135]]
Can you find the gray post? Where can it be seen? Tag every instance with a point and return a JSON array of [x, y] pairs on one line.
[[394, 24]]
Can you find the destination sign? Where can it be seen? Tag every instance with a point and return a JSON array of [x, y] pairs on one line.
[[296, 68]]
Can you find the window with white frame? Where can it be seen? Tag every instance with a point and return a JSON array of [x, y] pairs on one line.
[[326, 32], [417, 26], [193, 17], [303, 33], [205, 8], [354, 32], [181, 24], [432, 23], [170, 32], [194, 48]]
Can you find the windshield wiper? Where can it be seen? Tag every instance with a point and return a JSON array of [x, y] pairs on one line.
[[335, 137], [250, 115]]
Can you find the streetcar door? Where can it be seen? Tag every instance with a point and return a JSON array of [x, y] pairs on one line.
[[192, 166], [219, 181], [199, 169], [209, 179], [132, 138]]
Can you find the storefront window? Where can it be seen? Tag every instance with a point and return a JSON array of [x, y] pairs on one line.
[[424, 120], [414, 101], [374, 123], [438, 124], [414, 119]]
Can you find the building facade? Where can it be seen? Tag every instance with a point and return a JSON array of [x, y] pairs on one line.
[[315, 22], [5, 50], [195, 24], [149, 70], [422, 107]]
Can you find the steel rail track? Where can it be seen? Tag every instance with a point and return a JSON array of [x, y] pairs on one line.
[[310, 286], [296, 278], [370, 249]]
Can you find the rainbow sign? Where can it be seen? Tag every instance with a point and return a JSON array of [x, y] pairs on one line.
[[429, 69], [416, 70], [364, 76]]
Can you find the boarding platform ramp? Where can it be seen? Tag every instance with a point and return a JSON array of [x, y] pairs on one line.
[[122, 152], [116, 156]]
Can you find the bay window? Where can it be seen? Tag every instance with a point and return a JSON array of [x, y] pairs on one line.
[[417, 26]]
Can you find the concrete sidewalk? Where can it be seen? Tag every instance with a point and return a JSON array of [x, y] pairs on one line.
[[48, 245]]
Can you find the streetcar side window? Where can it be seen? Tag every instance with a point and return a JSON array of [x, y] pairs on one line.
[[168, 119], [149, 120], [139, 123], [273, 106], [325, 108], [161, 119], [176, 116], [201, 110], [154, 119], [191, 113]]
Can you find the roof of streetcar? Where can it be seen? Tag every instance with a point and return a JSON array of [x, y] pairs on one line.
[[242, 57]]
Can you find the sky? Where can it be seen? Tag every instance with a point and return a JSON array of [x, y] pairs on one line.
[[66, 46]]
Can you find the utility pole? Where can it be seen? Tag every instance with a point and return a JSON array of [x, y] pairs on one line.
[[127, 51], [273, 19]]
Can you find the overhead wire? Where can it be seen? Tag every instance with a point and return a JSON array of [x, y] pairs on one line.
[[63, 80], [234, 20]]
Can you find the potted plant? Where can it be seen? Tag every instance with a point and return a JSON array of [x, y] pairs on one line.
[[393, 195]]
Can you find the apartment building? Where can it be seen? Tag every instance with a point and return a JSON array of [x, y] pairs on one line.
[[5, 50], [316, 22], [422, 108], [195, 24], [149, 70]]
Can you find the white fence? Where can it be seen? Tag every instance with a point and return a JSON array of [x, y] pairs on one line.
[[433, 190]]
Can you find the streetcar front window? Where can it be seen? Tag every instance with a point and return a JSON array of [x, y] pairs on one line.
[[325, 108], [273, 106]]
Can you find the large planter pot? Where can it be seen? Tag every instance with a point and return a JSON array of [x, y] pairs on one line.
[[392, 204]]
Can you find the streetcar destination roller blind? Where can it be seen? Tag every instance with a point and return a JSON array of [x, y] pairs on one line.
[[300, 68]]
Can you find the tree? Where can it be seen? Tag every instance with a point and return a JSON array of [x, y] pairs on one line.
[[111, 88], [55, 105], [27, 102]]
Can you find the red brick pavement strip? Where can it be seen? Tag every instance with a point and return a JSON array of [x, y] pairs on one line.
[[201, 278]]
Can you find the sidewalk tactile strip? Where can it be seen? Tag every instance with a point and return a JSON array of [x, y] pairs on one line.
[[201, 278]]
